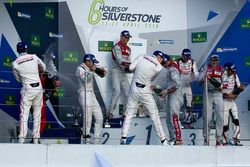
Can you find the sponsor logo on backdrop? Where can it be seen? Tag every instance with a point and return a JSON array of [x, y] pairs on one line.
[[247, 61], [218, 50], [165, 41], [10, 100], [4, 81], [175, 57], [7, 61], [135, 44], [24, 15], [53, 35], [49, 13], [71, 57], [59, 92], [197, 100], [245, 23], [105, 46], [198, 37], [35, 40], [110, 15]]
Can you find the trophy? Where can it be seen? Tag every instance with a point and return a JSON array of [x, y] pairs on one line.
[[76, 116]]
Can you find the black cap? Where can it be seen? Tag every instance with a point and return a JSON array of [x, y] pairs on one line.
[[166, 58], [90, 57], [21, 47], [126, 33], [229, 66], [157, 52], [186, 52]]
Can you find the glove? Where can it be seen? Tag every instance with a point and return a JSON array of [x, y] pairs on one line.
[[238, 90], [157, 89], [125, 64], [100, 72], [214, 82], [54, 78], [57, 83], [229, 96]]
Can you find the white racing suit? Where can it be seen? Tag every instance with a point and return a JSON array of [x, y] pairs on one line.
[[174, 101], [88, 102], [189, 72], [230, 108], [26, 70], [121, 57], [215, 101], [146, 68]]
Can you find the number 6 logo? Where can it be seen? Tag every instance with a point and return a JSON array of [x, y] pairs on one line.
[[95, 14]]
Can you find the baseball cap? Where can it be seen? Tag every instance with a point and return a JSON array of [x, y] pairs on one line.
[[90, 57], [214, 56], [229, 66], [166, 58], [157, 52], [21, 47], [126, 33], [186, 52]]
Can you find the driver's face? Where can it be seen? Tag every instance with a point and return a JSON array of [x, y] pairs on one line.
[[89, 64]]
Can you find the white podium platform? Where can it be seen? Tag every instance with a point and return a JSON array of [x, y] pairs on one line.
[[67, 155]]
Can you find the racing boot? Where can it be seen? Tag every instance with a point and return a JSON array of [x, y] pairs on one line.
[[166, 142], [178, 142], [86, 139], [236, 142], [123, 141]]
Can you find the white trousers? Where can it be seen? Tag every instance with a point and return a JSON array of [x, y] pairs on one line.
[[30, 96], [215, 100], [91, 108], [119, 83], [231, 114], [142, 95]]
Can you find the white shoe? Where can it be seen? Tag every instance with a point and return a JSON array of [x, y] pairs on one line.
[[21, 140], [86, 139], [171, 142], [142, 115], [35, 141], [97, 141], [123, 141], [167, 143], [236, 142]]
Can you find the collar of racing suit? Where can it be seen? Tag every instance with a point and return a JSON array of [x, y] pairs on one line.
[[22, 54], [175, 65], [83, 65]]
